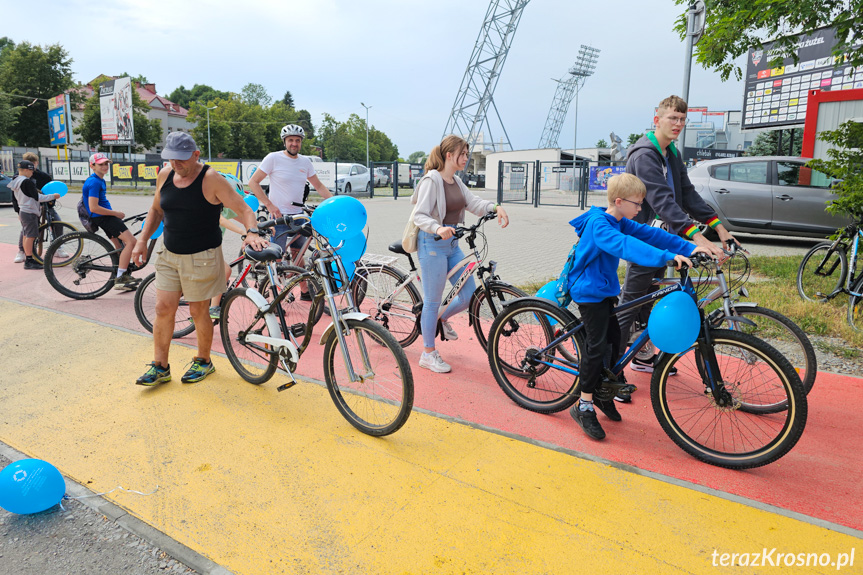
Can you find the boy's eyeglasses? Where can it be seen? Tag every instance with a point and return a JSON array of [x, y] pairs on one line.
[[631, 202]]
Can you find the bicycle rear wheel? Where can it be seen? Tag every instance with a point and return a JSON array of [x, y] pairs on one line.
[[90, 269], [822, 271], [380, 402], [516, 337], [485, 306], [721, 432], [46, 235], [251, 360], [374, 293], [784, 335], [145, 309]]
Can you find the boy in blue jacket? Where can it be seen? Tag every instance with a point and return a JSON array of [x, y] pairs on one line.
[[606, 236]]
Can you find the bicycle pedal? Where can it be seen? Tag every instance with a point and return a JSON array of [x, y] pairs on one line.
[[286, 385]]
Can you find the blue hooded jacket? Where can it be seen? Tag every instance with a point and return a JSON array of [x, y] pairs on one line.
[[604, 241]]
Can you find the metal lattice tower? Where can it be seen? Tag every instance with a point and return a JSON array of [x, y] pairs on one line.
[[468, 116], [557, 113], [567, 88]]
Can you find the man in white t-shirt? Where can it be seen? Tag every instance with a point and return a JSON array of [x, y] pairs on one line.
[[288, 172]]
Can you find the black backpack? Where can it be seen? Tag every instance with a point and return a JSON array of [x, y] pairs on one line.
[[84, 216]]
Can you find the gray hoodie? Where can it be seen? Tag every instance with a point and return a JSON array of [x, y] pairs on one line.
[[27, 195]]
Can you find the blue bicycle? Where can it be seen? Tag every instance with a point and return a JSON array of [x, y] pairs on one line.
[[734, 402]]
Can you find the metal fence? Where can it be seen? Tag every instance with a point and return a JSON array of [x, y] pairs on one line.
[[554, 183], [516, 182]]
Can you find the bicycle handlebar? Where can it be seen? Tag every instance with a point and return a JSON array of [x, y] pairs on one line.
[[461, 231]]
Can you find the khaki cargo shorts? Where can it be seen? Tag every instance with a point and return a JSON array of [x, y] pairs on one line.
[[198, 276]]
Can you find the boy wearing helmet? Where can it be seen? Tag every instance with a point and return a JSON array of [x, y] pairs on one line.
[[288, 172]]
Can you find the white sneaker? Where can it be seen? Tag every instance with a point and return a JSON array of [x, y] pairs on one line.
[[434, 362], [62, 254], [20, 258], [448, 332]]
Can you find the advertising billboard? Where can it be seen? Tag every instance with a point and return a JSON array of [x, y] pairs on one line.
[[115, 101], [777, 96], [57, 121], [599, 176]]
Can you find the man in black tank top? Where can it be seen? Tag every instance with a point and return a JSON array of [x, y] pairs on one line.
[[189, 199]]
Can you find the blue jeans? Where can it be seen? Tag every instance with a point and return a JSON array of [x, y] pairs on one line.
[[437, 258]]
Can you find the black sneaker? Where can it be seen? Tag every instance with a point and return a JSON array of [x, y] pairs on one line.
[[647, 366], [587, 421], [200, 369], [125, 282], [31, 264], [608, 408]]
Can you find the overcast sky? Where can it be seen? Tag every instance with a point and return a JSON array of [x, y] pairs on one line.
[[405, 58]]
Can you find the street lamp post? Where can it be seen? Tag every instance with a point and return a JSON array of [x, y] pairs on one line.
[[367, 134], [209, 148], [584, 67]]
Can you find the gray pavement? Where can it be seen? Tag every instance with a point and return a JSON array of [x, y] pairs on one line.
[[531, 250]]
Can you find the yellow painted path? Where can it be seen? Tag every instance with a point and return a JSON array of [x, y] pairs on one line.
[[262, 482]]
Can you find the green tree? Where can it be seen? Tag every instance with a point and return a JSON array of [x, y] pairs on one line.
[[199, 93], [6, 45], [148, 133], [417, 157], [601, 143], [140, 78], [767, 144], [8, 118], [845, 162], [288, 100], [734, 26], [39, 73], [632, 139], [346, 141], [256, 94]]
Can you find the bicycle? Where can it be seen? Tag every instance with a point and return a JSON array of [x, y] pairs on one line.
[[824, 273], [766, 324], [392, 299], [366, 371], [252, 272], [82, 265], [49, 230], [735, 402]]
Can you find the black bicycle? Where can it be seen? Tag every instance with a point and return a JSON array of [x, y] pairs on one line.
[[50, 229], [735, 401]]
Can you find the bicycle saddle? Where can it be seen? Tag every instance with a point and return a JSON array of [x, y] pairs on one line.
[[271, 253], [396, 247]]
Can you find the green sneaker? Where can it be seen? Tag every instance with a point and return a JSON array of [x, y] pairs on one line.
[[155, 375], [200, 369]]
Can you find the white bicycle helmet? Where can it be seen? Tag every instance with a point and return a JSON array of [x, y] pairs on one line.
[[292, 130]]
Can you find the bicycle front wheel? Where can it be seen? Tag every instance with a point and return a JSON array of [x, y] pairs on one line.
[[255, 362], [81, 265], [523, 367], [784, 335], [721, 431], [855, 306], [145, 309], [374, 290], [46, 235], [484, 307], [380, 401], [822, 271]]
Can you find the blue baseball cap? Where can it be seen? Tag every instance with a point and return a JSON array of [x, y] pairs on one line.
[[179, 146]]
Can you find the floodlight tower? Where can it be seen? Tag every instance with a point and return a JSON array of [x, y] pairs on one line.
[[584, 67], [474, 97], [557, 113]]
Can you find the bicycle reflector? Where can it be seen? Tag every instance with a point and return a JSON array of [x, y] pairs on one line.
[[674, 323]]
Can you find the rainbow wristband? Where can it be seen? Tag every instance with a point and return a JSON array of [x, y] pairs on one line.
[[713, 222], [690, 231]]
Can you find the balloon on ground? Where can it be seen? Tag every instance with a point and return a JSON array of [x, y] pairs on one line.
[[30, 486]]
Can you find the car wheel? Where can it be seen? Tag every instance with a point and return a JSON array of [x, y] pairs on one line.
[[347, 188], [368, 188]]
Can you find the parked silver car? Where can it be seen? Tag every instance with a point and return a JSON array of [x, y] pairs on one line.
[[382, 177], [775, 195], [352, 177]]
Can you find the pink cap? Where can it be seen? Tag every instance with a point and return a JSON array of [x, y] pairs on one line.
[[99, 158]]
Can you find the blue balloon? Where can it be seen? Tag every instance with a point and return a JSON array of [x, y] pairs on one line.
[[548, 292], [339, 217], [252, 201], [674, 323], [353, 249], [158, 231], [30, 486], [349, 269], [55, 187]]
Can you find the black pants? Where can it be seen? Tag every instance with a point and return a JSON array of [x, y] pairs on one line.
[[637, 283], [602, 337]]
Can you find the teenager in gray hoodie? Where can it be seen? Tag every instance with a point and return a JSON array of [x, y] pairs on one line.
[[28, 198]]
